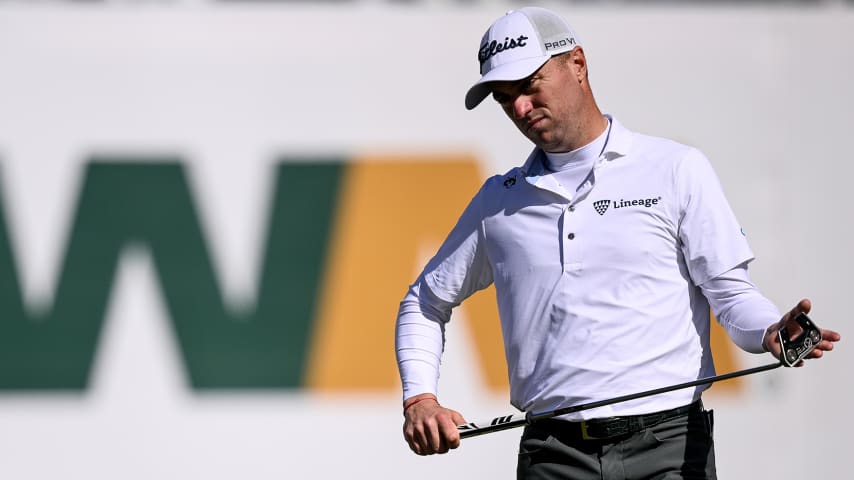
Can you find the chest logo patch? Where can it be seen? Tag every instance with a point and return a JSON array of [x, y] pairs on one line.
[[601, 206]]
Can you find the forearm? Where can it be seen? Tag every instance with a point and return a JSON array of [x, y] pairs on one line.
[[740, 308], [419, 340]]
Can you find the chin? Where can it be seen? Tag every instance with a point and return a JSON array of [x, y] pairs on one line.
[[543, 142]]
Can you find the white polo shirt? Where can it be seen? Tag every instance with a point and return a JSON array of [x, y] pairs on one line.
[[597, 289]]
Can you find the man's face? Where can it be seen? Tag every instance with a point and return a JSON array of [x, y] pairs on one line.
[[545, 106]]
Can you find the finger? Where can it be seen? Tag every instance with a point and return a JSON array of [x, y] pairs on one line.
[[413, 445], [822, 346], [443, 446], [437, 439], [830, 335], [826, 345], [409, 435], [422, 449], [434, 439], [804, 306], [816, 353], [422, 439], [450, 433], [794, 329]]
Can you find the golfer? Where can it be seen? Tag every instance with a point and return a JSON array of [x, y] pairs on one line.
[[608, 249]]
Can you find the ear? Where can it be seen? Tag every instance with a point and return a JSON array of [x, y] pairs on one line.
[[577, 62]]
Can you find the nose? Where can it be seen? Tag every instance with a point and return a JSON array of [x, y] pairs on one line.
[[522, 106]]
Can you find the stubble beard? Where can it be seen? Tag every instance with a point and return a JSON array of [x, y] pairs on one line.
[[545, 135]]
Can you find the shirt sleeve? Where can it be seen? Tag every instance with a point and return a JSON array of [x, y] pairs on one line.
[[740, 308], [712, 240], [420, 340], [458, 270]]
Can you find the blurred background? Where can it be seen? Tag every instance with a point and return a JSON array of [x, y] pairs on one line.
[[210, 209]]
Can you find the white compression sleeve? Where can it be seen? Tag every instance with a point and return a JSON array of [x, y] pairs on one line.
[[420, 339], [740, 308]]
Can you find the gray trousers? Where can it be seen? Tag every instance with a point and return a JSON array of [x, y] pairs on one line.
[[678, 448]]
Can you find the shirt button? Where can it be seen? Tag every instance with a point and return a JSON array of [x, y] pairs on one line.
[[572, 208], [570, 236]]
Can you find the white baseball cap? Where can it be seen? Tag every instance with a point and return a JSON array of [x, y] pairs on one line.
[[516, 45]]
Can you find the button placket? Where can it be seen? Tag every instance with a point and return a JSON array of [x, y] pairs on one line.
[[570, 209], [571, 222]]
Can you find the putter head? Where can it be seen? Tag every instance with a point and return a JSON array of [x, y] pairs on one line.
[[796, 349]]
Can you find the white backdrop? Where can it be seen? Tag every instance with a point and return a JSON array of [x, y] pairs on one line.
[[765, 92]]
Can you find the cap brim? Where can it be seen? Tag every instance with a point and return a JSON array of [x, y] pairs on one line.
[[505, 73]]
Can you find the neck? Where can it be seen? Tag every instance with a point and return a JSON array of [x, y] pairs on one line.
[[589, 129], [581, 157], [595, 127]]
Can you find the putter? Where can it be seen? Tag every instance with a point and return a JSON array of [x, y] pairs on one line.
[[793, 351]]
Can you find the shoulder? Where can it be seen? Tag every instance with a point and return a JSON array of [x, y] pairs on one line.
[[677, 161], [660, 148], [650, 149], [502, 182]]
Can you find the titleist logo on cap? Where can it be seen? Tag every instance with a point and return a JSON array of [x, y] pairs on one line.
[[489, 49]]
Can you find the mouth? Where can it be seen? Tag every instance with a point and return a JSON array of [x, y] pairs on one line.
[[533, 123]]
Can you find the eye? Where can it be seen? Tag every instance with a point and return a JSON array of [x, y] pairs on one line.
[[501, 98], [527, 85]]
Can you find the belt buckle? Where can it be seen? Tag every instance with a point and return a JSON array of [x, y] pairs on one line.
[[602, 427], [585, 435]]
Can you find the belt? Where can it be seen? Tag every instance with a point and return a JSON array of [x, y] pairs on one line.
[[611, 427]]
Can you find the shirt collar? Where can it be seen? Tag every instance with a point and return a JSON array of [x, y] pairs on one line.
[[618, 146]]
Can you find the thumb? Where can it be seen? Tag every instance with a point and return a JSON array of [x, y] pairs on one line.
[[457, 418], [804, 306]]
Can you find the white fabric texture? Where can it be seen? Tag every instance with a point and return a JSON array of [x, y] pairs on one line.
[[599, 290], [740, 308]]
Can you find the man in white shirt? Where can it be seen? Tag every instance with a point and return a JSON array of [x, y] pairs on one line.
[[607, 249]]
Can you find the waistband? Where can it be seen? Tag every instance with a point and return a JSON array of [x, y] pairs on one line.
[[611, 427]]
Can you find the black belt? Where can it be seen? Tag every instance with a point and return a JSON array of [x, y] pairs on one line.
[[611, 427]]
